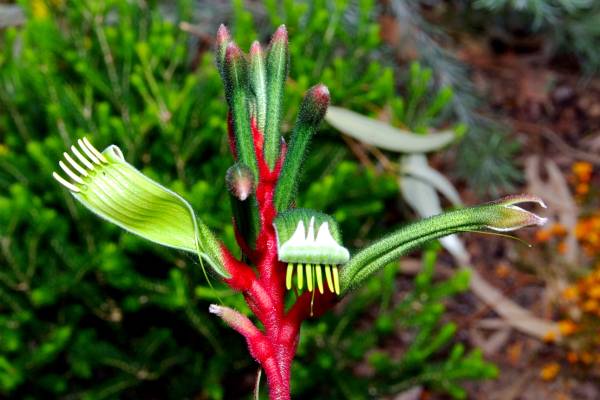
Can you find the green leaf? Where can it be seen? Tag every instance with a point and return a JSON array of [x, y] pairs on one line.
[[114, 190], [385, 136]]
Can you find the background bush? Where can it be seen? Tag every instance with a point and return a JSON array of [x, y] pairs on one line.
[[87, 311]]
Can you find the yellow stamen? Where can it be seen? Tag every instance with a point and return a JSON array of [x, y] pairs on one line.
[[319, 274], [309, 277], [336, 279], [300, 274], [329, 279], [288, 276]]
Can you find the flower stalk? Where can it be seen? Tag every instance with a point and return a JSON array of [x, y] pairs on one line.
[[273, 235]]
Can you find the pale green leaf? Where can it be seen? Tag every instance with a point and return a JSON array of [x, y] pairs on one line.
[[385, 136]]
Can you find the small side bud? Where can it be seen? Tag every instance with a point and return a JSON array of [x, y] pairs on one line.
[[314, 106], [235, 320], [223, 39], [509, 216], [240, 181], [312, 111]]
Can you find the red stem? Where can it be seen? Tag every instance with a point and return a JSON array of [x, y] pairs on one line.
[[264, 289]]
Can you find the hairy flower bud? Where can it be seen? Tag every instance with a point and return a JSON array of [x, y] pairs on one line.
[[223, 39], [315, 103], [240, 181]]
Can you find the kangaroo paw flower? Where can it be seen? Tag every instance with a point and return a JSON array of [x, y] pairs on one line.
[[114, 190], [312, 254]]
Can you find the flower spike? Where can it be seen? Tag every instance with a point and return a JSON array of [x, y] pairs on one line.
[[114, 190]]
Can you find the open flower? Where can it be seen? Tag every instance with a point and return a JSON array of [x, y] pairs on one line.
[[296, 245]]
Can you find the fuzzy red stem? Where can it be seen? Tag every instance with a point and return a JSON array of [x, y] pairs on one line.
[[265, 292]]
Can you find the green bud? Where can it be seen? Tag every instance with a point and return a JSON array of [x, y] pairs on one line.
[[237, 91], [235, 69], [277, 71], [258, 83], [223, 39], [240, 181], [240, 184], [502, 215], [312, 110]]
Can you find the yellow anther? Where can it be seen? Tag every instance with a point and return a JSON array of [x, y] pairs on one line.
[[319, 275], [309, 277], [336, 279], [288, 276], [300, 275], [329, 279]]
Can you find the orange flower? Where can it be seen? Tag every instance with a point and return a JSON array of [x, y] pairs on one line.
[[542, 235], [567, 327], [558, 229], [587, 358], [570, 294], [582, 170], [562, 247], [549, 371], [590, 306], [549, 337]]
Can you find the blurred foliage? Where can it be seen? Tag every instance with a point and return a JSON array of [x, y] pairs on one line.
[[569, 26], [87, 311], [485, 157], [366, 331]]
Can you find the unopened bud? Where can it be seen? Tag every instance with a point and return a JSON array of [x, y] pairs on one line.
[[280, 36], [240, 181], [258, 83], [223, 39], [235, 67], [509, 216], [314, 106]]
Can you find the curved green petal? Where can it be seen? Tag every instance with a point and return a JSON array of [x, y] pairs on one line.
[[114, 190]]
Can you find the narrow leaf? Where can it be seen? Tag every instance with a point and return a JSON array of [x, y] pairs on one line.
[[424, 200], [382, 135], [416, 165]]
